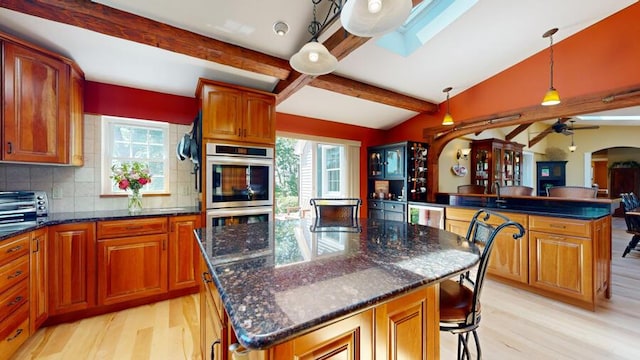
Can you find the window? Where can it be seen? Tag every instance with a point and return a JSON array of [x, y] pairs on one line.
[[330, 168], [126, 140]]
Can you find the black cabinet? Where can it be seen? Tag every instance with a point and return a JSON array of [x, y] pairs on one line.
[[549, 174], [397, 173]]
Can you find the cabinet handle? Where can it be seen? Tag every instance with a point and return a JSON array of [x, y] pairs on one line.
[[244, 133], [37, 249], [206, 277], [213, 353], [15, 274], [15, 301], [558, 226], [164, 245], [14, 249], [18, 332], [9, 147], [239, 131]]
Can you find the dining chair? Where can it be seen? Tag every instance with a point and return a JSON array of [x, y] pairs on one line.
[[472, 189], [516, 190], [460, 299], [336, 214], [629, 204], [576, 192]]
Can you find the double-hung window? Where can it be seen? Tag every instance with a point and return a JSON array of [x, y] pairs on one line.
[[127, 140]]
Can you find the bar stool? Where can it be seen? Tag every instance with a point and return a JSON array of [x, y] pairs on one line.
[[460, 300]]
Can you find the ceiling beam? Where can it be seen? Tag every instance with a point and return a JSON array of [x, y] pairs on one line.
[[124, 25], [510, 136], [109, 21], [545, 132]]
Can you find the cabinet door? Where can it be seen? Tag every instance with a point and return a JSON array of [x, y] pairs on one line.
[[71, 267], [561, 264], [510, 257], [394, 162], [221, 113], [457, 227], [259, 118], [405, 328], [36, 108], [213, 325], [76, 118], [131, 268], [351, 338], [39, 287], [183, 252]]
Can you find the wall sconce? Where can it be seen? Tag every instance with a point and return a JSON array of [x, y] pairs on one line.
[[463, 153], [551, 97]]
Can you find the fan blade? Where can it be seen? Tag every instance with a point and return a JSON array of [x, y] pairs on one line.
[[586, 127]]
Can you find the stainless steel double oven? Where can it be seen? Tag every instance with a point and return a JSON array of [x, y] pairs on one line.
[[239, 184]]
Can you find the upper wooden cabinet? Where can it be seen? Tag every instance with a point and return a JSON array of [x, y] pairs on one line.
[[496, 160], [42, 105], [237, 114]]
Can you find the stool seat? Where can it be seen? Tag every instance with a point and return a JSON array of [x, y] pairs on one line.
[[456, 301]]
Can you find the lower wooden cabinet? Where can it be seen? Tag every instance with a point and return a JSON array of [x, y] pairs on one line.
[[214, 340], [131, 268], [71, 267], [39, 283], [184, 266]]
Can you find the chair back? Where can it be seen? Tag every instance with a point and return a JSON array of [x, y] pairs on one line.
[[335, 212], [482, 230], [576, 192], [472, 189], [516, 190]]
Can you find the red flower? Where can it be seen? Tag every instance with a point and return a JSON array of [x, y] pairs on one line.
[[123, 184], [143, 181]]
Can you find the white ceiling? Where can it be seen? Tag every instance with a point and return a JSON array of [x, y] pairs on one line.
[[492, 36]]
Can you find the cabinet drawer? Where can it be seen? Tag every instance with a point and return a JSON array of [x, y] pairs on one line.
[[376, 205], [14, 272], [13, 298], [14, 248], [559, 226], [389, 206], [459, 214], [14, 331], [119, 228]]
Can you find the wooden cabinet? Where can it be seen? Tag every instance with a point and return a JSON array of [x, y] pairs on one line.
[[184, 253], [214, 341], [71, 267], [510, 257], [624, 180], [39, 282], [404, 328], [42, 105], [496, 160], [235, 113], [399, 172], [132, 259], [14, 293], [549, 174]]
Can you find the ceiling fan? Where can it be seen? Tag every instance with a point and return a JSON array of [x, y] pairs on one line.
[[561, 127]]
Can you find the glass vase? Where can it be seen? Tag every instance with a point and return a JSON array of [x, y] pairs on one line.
[[135, 201]]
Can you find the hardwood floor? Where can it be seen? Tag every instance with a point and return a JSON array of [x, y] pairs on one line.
[[515, 325]]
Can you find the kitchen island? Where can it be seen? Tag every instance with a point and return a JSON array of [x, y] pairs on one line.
[[290, 289]]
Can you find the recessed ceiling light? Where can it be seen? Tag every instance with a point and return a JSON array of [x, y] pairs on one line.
[[280, 28], [609, 117]]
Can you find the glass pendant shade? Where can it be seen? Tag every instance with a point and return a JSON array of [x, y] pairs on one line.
[[447, 120], [368, 18], [313, 59], [572, 148], [551, 97]]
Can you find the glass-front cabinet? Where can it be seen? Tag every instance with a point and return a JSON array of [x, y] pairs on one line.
[[494, 160], [387, 162]]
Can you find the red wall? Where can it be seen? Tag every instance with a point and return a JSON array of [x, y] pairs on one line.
[[105, 99], [603, 57]]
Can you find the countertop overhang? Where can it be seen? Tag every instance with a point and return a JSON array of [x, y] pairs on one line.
[[280, 279]]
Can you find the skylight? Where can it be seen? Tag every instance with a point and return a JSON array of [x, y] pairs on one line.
[[609, 117], [425, 21]]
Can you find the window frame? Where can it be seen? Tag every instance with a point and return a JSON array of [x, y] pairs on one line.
[[107, 124]]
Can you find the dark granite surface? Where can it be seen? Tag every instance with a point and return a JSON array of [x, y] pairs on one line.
[[584, 209], [279, 279], [71, 217]]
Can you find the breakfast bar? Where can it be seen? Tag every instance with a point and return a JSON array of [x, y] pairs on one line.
[[279, 282]]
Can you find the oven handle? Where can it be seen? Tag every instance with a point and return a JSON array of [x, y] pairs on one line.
[[228, 160], [240, 211]]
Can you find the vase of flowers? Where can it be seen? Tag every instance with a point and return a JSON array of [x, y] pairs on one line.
[[132, 177]]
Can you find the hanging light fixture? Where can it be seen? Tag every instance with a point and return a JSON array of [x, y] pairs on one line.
[[314, 58], [368, 18], [551, 97], [448, 119], [572, 147]]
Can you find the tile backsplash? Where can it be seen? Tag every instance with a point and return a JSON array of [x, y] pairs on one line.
[[75, 189]]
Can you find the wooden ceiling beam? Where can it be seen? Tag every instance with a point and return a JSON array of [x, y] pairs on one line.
[[516, 131], [545, 132]]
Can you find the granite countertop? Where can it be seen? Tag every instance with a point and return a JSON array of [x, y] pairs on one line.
[[71, 217], [280, 279]]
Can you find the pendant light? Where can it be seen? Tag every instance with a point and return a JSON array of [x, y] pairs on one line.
[[368, 18], [448, 119], [572, 147], [551, 97], [314, 58]]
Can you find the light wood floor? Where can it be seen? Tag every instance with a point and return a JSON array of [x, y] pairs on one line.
[[515, 325]]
